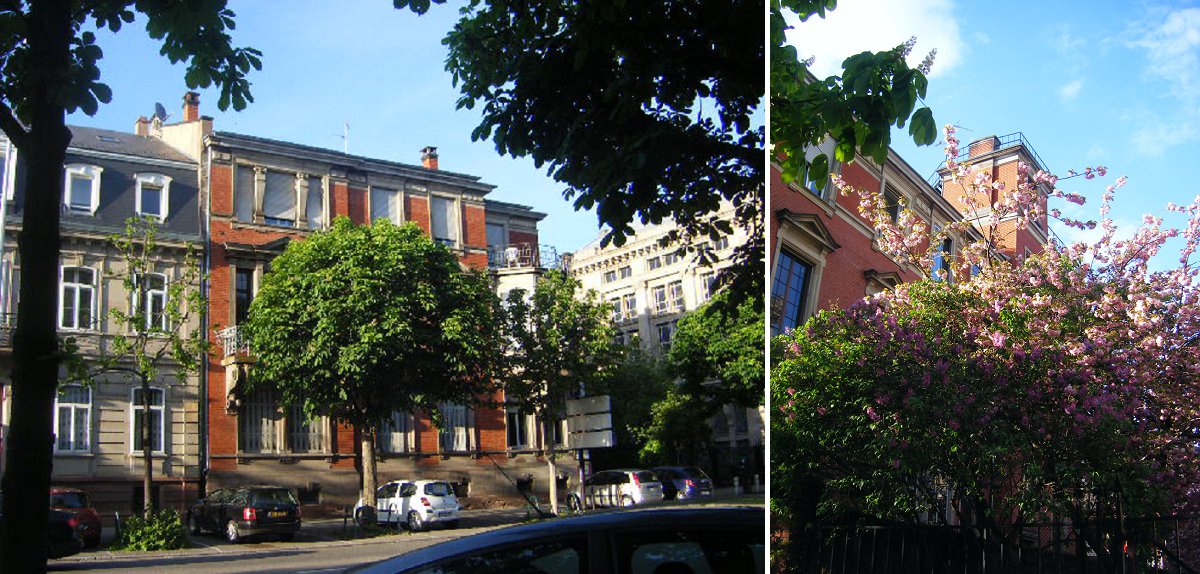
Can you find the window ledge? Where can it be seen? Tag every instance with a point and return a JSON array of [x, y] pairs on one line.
[[73, 454]]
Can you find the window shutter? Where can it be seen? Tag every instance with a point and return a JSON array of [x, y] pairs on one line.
[[383, 204], [279, 198], [315, 207], [443, 219], [244, 194]]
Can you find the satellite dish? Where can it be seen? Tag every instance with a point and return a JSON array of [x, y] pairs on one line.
[[160, 112]]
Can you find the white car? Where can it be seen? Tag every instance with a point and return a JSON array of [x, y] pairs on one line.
[[417, 504], [622, 487]]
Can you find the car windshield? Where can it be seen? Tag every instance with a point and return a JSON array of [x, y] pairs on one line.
[[69, 500], [646, 476], [438, 489], [273, 496]]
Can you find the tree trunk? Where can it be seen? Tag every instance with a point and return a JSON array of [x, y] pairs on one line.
[[147, 452], [550, 456], [26, 482], [368, 466]]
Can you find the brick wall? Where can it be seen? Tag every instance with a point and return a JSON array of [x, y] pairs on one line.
[[416, 209], [474, 227]]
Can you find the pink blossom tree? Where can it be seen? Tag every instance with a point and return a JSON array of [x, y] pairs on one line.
[[1025, 388]]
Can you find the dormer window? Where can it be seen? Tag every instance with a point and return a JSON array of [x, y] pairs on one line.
[[82, 190], [153, 193]]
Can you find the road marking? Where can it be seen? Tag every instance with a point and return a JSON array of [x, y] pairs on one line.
[[194, 541]]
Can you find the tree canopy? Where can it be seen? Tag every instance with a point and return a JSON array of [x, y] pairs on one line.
[[359, 321], [49, 65], [644, 110], [717, 352]]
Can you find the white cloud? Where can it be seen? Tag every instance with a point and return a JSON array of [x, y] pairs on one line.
[[1169, 42], [1069, 91], [1172, 46], [877, 25]]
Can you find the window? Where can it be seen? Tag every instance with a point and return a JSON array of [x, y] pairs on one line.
[[153, 193], [73, 419], [708, 285], [518, 429], [496, 235], [699, 548], [444, 223], [454, 436], [891, 203], [8, 170], [156, 397], [941, 261], [279, 199], [77, 303], [82, 190], [610, 276], [149, 301], [789, 292], [256, 423], [675, 296], [556, 435], [624, 272], [243, 204], [741, 421], [243, 294], [395, 435], [721, 243], [670, 258], [617, 314], [314, 206], [559, 555], [665, 332], [305, 434], [822, 187], [385, 204], [653, 263], [659, 294], [629, 306]]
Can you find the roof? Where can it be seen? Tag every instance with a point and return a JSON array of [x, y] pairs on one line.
[[123, 143]]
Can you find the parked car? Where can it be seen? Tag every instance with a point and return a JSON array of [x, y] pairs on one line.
[[78, 503], [622, 487], [683, 482], [417, 504], [247, 511], [716, 540], [62, 533]]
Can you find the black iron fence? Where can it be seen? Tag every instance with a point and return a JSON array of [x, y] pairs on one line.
[[1150, 545]]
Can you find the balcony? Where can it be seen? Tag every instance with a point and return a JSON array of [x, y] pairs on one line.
[[234, 342], [8, 326], [524, 256]]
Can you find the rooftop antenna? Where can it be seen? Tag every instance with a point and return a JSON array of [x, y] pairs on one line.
[[345, 135], [160, 112]]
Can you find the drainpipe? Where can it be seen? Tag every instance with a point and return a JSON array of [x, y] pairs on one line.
[[205, 234]]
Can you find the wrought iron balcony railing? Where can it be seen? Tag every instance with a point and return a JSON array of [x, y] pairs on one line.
[[234, 341], [523, 255]]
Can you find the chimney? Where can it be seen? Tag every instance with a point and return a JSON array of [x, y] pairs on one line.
[[142, 126], [429, 157], [191, 107]]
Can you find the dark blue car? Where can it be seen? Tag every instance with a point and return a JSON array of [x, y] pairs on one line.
[[684, 482]]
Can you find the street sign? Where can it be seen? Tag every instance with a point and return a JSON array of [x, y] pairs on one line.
[[595, 439], [585, 423], [589, 405]]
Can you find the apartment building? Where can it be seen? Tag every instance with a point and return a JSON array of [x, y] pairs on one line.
[[108, 178]]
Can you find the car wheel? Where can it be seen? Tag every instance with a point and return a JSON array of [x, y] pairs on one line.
[[232, 534], [626, 500], [415, 523], [452, 524], [194, 525]]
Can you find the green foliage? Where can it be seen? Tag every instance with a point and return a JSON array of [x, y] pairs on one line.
[[678, 432], [638, 381], [858, 109], [718, 351], [661, 118], [162, 530], [359, 321], [560, 340]]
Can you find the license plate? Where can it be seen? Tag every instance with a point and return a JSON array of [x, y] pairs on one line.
[[444, 513], [277, 514]]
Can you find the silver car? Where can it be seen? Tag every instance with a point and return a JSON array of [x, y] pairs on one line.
[[622, 487]]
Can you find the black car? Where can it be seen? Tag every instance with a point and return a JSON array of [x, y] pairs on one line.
[[719, 540], [62, 532], [247, 511], [683, 482]]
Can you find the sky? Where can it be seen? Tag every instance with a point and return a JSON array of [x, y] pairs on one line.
[[1098, 83], [326, 64]]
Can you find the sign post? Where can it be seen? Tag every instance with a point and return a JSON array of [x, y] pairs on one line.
[[589, 425]]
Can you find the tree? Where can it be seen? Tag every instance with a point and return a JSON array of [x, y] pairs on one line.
[[645, 111], [717, 352], [357, 322], [677, 431], [148, 338], [638, 381], [48, 67], [1033, 387], [560, 341], [858, 109]]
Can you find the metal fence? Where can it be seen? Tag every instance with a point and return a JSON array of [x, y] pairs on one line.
[[1150, 545]]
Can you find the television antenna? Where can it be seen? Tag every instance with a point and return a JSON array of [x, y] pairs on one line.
[[345, 135]]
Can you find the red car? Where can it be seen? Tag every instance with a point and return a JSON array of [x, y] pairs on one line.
[[78, 503]]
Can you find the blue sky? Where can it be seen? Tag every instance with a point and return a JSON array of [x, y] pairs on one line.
[[324, 64], [1098, 83]]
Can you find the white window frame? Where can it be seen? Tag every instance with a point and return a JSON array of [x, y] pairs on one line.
[[10, 170], [629, 310], [675, 300], [396, 434], [316, 429], [659, 294], [463, 435], [455, 220], [135, 426], [522, 429], [258, 422], [146, 306], [163, 183], [78, 410], [76, 288], [80, 170]]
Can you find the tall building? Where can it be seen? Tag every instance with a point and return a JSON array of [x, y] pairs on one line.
[[651, 286], [108, 178]]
